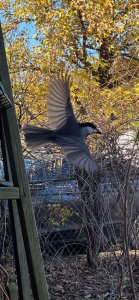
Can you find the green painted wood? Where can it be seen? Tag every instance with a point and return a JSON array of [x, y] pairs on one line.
[[18, 244], [24, 280], [6, 183], [4, 101], [1, 295], [9, 193], [12, 290], [27, 221]]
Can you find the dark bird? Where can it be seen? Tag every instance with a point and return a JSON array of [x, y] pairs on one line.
[[66, 131]]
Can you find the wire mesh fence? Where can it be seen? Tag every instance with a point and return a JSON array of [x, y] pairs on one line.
[[84, 224]]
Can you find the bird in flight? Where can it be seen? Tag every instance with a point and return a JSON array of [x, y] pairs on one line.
[[65, 131]]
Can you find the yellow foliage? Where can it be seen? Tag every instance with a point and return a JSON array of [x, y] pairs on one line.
[[87, 38]]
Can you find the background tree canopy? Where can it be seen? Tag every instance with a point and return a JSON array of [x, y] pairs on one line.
[[96, 41]]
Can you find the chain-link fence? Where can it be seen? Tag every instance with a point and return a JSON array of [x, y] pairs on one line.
[[83, 224]]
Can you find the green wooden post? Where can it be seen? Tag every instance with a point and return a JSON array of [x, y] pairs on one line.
[[1, 296], [24, 206], [12, 290], [19, 250], [9, 193]]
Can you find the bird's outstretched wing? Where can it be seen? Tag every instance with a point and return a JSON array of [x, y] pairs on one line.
[[77, 152], [58, 103]]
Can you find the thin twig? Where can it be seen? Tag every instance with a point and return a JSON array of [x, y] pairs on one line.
[[126, 222]]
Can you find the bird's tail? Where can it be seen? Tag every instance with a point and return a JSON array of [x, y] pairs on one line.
[[37, 136]]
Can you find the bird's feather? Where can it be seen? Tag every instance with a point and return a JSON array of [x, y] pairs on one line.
[[59, 105], [77, 152], [37, 136]]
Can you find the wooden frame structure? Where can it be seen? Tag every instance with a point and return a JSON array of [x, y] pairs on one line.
[[15, 189]]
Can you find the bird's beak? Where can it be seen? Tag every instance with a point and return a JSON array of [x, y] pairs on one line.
[[98, 131]]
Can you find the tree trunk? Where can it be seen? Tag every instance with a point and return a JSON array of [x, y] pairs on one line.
[[106, 58]]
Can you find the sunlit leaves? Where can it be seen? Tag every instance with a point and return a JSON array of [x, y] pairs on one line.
[[96, 41]]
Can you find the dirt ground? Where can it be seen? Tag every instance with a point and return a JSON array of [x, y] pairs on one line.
[[70, 278]]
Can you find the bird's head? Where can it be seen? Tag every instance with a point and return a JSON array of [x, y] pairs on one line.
[[89, 128]]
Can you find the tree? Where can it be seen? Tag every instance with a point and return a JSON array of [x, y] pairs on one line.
[[96, 41]]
